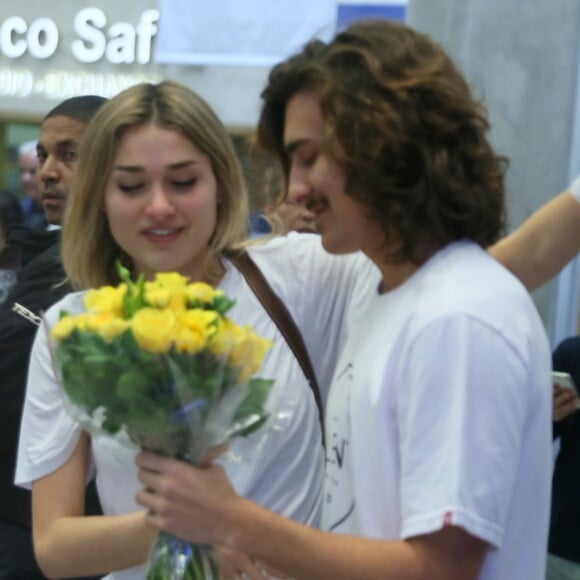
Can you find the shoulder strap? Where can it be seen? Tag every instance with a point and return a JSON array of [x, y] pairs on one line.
[[283, 320]]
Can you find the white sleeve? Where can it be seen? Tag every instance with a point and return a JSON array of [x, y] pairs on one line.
[[317, 288], [574, 189], [48, 434], [461, 412]]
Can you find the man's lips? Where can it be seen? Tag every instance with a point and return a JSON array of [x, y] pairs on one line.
[[317, 204], [52, 198]]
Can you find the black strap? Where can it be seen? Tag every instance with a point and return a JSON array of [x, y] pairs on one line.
[[283, 320]]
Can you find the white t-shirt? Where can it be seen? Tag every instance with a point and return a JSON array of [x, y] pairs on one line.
[[440, 414], [574, 189], [285, 471]]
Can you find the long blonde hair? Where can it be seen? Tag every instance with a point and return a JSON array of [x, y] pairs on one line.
[[89, 250]]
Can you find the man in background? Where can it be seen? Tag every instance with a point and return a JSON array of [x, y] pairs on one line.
[[40, 284], [563, 544], [30, 202]]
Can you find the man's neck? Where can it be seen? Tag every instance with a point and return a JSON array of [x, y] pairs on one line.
[[397, 273]]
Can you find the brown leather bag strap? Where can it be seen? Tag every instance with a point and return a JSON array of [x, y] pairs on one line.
[[283, 320]]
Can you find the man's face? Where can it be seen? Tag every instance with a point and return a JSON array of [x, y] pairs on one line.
[[341, 221], [57, 150], [303, 133], [28, 164]]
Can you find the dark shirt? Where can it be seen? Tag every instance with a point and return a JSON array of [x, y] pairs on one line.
[[33, 213], [31, 241], [41, 283], [10, 262], [564, 539], [38, 287]]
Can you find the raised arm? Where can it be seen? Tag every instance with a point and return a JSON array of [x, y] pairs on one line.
[[66, 542], [545, 242]]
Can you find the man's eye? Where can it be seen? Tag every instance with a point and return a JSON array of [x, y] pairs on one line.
[[305, 158], [71, 155]]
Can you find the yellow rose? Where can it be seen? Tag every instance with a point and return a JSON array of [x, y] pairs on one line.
[[106, 299], [261, 347], [153, 329], [177, 301], [104, 324], [195, 328], [241, 348], [257, 347], [170, 280], [157, 297], [201, 292], [222, 341], [63, 328], [198, 320], [189, 341], [110, 328], [84, 322], [248, 352]]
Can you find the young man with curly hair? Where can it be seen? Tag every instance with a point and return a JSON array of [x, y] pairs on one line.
[[438, 418]]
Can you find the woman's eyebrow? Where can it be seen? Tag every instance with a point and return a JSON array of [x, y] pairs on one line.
[[139, 168]]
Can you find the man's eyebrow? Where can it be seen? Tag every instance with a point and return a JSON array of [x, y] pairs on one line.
[[291, 147], [67, 144]]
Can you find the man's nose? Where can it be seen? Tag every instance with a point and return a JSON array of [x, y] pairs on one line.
[[49, 171]]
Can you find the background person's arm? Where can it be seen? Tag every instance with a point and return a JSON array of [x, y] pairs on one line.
[[544, 243], [66, 542]]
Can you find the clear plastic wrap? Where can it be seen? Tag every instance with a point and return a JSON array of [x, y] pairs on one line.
[[159, 365]]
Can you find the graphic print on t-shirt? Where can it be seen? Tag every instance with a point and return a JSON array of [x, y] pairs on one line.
[[338, 489]]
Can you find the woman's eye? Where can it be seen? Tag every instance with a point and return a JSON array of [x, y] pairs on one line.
[[129, 188], [184, 183]]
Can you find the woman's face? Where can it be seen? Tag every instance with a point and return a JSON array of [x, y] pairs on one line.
[[161, 201]]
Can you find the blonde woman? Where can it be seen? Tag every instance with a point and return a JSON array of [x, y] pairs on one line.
[[159, 187]]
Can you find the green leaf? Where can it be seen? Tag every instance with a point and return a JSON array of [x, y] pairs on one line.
[[253, 403], [130, 385], [221, 304], [134, 298]]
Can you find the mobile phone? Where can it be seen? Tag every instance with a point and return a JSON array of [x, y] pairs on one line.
[[565, 381]]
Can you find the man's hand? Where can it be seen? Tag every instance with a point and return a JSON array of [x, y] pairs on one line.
[[192, 503], [564, 403]]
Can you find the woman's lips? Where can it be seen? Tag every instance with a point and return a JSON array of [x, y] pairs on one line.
[[162, 235]]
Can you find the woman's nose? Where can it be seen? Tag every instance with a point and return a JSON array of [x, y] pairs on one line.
[[159, 203]]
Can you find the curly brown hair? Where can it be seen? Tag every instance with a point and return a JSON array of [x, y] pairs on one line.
[[300, 72], [404, 125]]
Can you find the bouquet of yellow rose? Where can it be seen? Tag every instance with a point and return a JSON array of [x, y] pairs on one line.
[[161, 363]]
